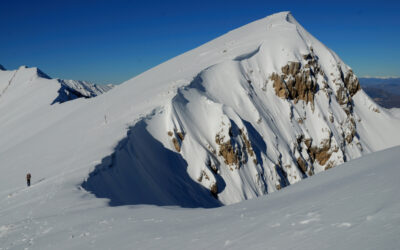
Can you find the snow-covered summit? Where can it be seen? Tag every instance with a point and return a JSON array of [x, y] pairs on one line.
[[32, 72], [257, 109], [246, 114]]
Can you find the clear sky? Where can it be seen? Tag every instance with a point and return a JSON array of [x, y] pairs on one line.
[[112, 41]]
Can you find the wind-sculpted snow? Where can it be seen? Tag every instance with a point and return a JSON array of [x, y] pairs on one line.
[[133, 175], [204, 129], [249, 125]]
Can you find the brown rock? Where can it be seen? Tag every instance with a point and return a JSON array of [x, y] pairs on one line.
[[302, 164], [351, 82], [226, 151], [214, 189], [295, 83], [181, 135], [176, 144], [321, 154], [247, 143]]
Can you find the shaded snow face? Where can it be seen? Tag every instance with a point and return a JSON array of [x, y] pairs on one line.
[[71, 89], [250, 125], [161, 180]]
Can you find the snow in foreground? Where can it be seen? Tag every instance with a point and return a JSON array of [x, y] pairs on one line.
[[353, 206]]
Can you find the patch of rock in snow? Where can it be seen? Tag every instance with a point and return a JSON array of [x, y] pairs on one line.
[[251, 112]]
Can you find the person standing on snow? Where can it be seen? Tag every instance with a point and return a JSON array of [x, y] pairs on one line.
[[28, 179]]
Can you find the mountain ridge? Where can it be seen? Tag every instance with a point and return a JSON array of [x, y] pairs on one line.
[[246, 114], [69, 89], [270, 59]]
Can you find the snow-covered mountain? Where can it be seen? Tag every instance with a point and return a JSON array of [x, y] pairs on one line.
[[28, 79], [257, 109]]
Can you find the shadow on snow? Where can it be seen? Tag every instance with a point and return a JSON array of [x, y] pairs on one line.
[[142, 171]]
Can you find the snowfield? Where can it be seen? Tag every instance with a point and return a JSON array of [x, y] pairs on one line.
[[395, 112], [151, 163], [353, 206]]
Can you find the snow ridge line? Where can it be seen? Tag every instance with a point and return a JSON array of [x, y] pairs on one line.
[[9, 83]]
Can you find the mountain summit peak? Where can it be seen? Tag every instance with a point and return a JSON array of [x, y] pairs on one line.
[[34, 71]]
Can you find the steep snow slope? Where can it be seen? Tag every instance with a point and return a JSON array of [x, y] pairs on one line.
[[353, 206], [259, 108], [262, 107], [243, 115]]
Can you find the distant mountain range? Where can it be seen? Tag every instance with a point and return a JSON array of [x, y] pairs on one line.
[[385, 91]]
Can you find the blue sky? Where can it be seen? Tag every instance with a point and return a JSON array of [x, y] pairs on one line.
[[112, 41]]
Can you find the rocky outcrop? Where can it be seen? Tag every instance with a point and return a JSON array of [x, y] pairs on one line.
[[322, 153], [226, 150], [177, 139], [297, 82], [302, 164], [237, 150], [351, 82], [348, 86], [309, 154]]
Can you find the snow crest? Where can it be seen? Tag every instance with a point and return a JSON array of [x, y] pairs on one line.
[[278, 108]]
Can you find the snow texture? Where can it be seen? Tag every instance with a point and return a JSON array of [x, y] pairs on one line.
[[204, 129], [353, 206]]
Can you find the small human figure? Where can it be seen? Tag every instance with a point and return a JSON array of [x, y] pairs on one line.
[[28, 179]]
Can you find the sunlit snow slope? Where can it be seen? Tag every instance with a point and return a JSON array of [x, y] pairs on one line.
[[246, 114], [353, 206], [258, 109]]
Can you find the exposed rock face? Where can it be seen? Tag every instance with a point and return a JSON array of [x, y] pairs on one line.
[[237, 150], [301, 81], [349, 87], [177, 139], [309, 154], [321, 154], [298, 82], [302, 164], [349, 128], [351, 82], [226, 150]]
